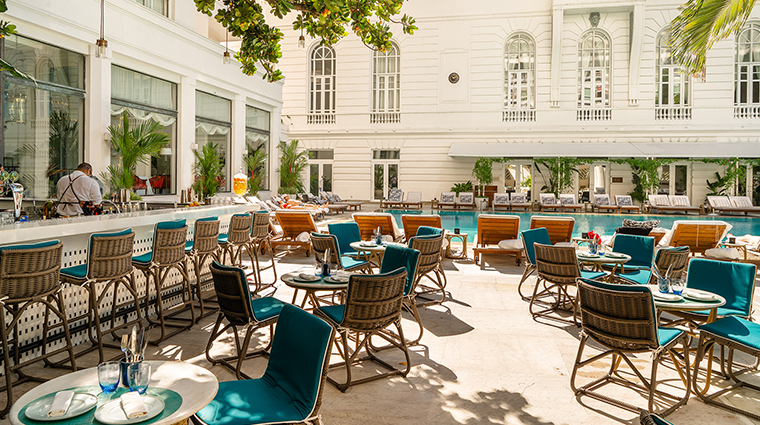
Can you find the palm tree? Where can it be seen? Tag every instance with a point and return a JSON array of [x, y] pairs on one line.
[[700, 25], [292, 165], [256, 165], [208, 170], [134, 145]]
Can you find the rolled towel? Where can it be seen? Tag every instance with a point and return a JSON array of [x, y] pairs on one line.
[[386, 238], [61, 403], [307, 276], [132, 405]]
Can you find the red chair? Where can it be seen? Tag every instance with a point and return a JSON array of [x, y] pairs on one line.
[[157, 182], [139, 184]]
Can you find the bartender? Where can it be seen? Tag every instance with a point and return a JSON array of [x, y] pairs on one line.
[[77, 189]]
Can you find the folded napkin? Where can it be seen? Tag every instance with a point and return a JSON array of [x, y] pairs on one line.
[[307, 276], [132, 405], [61, 403], [386, 238]]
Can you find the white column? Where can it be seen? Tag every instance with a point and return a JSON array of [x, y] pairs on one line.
[[637, 41], [97, 107], [238, 135], [748, 190], [557, 17], [185, 133]]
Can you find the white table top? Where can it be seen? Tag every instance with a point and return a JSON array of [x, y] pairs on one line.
[[686, 304], [374, 248], [319, 285], [622, 259], [196, 385]]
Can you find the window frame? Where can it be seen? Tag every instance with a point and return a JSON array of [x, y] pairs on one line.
[[321, 114], [519, 113], [594, 111], [681, 110], [747, 109], [385, 114]]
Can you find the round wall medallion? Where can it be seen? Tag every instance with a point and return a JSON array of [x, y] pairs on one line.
[[453, 78]]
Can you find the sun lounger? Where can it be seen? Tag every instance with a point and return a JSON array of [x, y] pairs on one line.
[[698, 235], [671, 203], [744, 204], [395, 199], [354, 205], [602, 204], [315, 211], [368, 222], [466, 200], [412, 222], [337, 208], [293, 224], [625, 204], [519, 200], [549, 202], [413, 200], [569, 202], [448, 199], [496, 228], [501, 201], [560, 228]]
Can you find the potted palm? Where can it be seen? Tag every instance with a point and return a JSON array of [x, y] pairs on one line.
[[292, 165], [255, 164], [208, 171], [483, 173]]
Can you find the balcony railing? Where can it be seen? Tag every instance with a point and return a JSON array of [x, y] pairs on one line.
[[594, 114], [320, 119], [673, 113], [519, 115], [747, 112], [384, 117]]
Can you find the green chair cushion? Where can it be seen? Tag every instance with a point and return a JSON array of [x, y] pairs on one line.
[[30, 245], [349, 263], [170, 225], [144, 258], [667, 335], [640, 276], [76, 272], [428, 231], [640, 248], [592, 275], [249, 402], [212, 218], [396, 257], [529, 237], [346, 234], [266, 308], [736, 329], [188, 246], [334, 312], [223, 238], [733, 281]]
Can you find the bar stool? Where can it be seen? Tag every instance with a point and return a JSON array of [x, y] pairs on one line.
[[108, 266], [168, 253], [236, 239], [261, 241], [30, 275], [203, 247]]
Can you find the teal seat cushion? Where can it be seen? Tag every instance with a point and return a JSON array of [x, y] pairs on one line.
[[346, 234], [721, 312], [396, 257], [266, 308], [212, 218], [667, 335], [592, 275], [640, 248], [538, 235], [76, 272], [639, 276], [349, 263], [112, 234], [735, 329], [143, 259], [733, 281], [428, 231], [170, 225], [188, 246], [223, 238], [30, 245], [334, 312], [249, 402]]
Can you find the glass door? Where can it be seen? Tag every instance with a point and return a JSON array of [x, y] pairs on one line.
[[320, 178], [385, 178]]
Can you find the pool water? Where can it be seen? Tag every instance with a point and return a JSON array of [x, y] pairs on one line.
[[605, 224]]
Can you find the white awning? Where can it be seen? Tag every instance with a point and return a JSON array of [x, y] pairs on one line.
[[728, 149]]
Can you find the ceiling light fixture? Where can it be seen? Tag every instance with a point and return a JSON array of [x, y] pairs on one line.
[[301, 40], [227, 58], [102, 43]]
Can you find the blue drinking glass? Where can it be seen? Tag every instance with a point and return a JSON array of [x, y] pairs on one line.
[[139, 376], [108, 376]]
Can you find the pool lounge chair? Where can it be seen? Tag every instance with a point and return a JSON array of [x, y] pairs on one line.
[[560, 228], [681, 203], [448, 199], [395, 199], [465, 200], [412, 222], [625, 204], [519, 200], [496, 229], [744, 203], [549, 202], [413, 200], [501, 201], [293, 223], [569, 202], [354, 205], [602, 203], [698, 235], [368, 222], [723, 205]]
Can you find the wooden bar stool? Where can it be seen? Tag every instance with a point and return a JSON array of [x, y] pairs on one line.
[[236, 239], [168, 253], [108, 267], [260, 242], [30, 276], [203, 249]]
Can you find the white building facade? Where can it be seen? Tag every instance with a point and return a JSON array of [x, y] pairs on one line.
[[521, 80], [164, 63]]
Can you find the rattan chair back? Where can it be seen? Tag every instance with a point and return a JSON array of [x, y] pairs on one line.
[[621, 319], [430, 252], [321, 242], [233, 295], [260, 228], [169, 246], [374, 302], [110, 257], [556, 264], [240, 229], [206, 237], [25, 273], [675, 260]]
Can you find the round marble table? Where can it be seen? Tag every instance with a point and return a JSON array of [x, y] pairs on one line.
[[196, 385], [687, 304], [372, 253], [311, 288], [596, 261]]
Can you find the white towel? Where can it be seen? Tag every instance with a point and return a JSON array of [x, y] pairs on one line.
[[307, 276], [133, 405], [61, 403]]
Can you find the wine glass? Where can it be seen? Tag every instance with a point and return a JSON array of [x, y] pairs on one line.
[[108, 376]]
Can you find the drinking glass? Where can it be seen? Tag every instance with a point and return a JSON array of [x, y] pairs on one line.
[[663, 284], [108, 376], [139, 376], [600, 249], [678, 285]]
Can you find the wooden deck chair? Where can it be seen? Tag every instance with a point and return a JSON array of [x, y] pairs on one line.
[[698, 235], [413, 200], [368, 222], [560, 228], [602, 203], [501, 201], [495, 228], [519, 200], [465, 200], [744, 204], [549, 202], [448, 199], [625, 204], [294, 223], [412, 222], [569, 202]]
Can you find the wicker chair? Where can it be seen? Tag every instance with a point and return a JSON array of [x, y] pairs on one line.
[[321, 242], [529, 237], [557, 268], [168, 253], [641, 249], [240, 310], [347, 233], [373, 303], [675, 259], [621, 318], [261, 242], [203, 249], [29, 276], [236, 239], [108, 267], [429, 242], [292, 384]]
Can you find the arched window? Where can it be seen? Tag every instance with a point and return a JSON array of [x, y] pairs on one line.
[[594, 76], [519, 79], [747, 73], [322, 86], [386, 89], [672, 98]]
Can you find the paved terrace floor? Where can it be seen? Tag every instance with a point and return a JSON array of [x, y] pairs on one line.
[[483, 360]]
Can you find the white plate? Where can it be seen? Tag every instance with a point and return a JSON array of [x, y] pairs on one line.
[[80, 403], [613, 255], [368, 244], [698, 295], [659, 296], [305, 277], [589, 255], [336, 279], [112, 413]]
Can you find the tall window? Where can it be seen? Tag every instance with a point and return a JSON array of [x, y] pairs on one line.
[[257, 138], [386, 91], [747, 73], [594, 72], [672, 99], [43, 119], [159, 6], [322, 86], [213, 122], [520, 79]]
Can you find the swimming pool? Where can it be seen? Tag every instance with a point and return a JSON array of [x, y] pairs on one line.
[[605, 224]]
